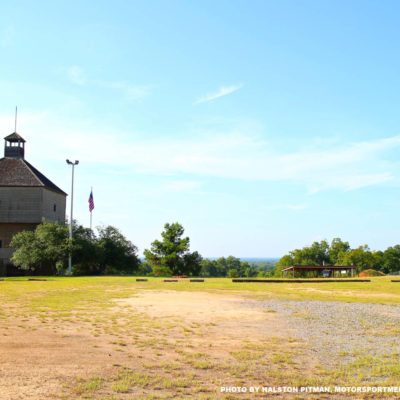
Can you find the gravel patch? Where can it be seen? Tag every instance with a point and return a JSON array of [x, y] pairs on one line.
[[340, 332]]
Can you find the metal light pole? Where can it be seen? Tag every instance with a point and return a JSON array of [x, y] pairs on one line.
[[71, 216]]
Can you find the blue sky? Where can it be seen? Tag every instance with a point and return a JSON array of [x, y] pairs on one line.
[[261, 126]]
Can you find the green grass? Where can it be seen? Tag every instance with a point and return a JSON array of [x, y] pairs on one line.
[[62, 294], [93, 384]]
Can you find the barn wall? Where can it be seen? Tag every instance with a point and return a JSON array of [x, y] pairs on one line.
[[53, 200], [20, 204], [7, 231], [23, 208]]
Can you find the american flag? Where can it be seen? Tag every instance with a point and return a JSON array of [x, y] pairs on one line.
[[91, 202]]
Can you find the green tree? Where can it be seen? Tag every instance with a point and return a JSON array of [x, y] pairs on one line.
[[284, 262], [379, 260], [45, 250], [391, 259], [208, 268], [222, 266], [232, 273], [337, 249], [42, 250], [250, 271], [144, 269], [361, 257], [116, 253], [173, 252], [85, 251], [162, 271]]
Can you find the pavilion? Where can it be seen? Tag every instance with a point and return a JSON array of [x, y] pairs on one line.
[[319, 268]]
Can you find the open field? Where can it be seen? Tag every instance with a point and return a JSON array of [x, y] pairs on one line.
[[115, 338]]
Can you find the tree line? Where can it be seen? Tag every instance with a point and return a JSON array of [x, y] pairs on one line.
[[45, 251], [339, 252]]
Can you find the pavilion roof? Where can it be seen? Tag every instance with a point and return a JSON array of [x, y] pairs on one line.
[[320, 267]]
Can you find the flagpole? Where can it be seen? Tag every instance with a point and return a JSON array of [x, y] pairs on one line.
[[91, 191]]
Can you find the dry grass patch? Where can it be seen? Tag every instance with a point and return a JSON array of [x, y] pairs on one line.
[[124, 342]]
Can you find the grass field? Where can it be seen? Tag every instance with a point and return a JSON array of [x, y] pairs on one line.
[[115, 338]]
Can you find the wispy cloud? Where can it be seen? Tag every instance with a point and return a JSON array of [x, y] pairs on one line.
[[223, 91], [7, 36], [234, 155], [131, 92], [76, 75]]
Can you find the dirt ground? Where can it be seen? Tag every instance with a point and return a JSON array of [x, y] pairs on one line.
[[233, 315], [39, 359], [176, 344]]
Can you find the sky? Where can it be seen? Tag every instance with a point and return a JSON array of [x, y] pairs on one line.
[[260, 126]]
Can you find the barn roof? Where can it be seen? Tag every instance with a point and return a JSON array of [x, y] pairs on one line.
[[18, 172]]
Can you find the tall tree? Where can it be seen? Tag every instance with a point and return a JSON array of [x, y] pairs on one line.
[[361, 257], [43, 250], [391, 259], [116, 253], [85, 251], [173, 252], [337, 250]]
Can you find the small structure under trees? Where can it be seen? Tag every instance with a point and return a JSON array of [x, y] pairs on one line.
[[315, 269]]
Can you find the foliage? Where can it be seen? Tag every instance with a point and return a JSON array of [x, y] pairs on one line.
[[361, 257], [250, 271], [84, 251], [45, 250], [391, 259], [116, 253], [225, 267], [337, 249], [162, 271], [232, 273], [41, 250], [173, 252], [144, 269], [340, 253]]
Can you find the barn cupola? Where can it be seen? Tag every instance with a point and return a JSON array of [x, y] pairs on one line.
[[14, 146]]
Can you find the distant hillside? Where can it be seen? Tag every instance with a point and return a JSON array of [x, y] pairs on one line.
[[259, 260]]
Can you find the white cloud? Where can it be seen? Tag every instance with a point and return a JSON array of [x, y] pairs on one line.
[[223, 91], [131, 92], [234, 155], [7, 36], [76, 75]]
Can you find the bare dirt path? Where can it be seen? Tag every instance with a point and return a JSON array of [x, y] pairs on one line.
[[231, 315], [38, 358], [181, 344]]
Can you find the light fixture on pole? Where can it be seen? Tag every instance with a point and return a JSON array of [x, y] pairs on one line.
[[71, 216]]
